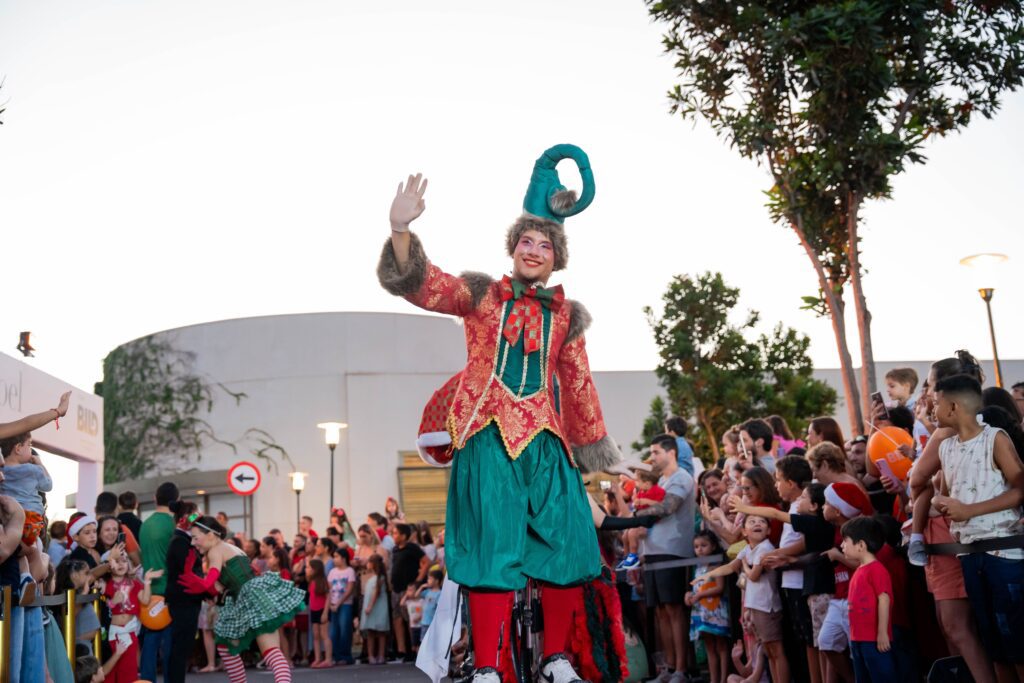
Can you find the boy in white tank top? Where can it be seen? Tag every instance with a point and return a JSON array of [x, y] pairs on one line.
[[984, 482]]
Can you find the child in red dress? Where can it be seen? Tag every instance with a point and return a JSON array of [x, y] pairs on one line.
[[125, 597]]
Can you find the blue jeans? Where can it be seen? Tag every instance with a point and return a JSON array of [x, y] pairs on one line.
[[870, 665], [28, 645], [155, 644], [995, 589], [341, 634]]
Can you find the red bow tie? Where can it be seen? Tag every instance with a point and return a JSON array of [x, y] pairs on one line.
[[527, 311]]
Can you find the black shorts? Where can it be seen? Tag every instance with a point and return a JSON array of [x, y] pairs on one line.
[[798, 614], [665, 586], [315, 615]]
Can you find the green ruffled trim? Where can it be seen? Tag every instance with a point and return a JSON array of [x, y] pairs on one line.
[[237, 647]]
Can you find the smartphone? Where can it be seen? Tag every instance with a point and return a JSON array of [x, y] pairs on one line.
[[120, 538], [884, 468], [876, 398]]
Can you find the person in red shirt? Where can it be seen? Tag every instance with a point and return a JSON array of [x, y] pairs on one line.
[[870, 601], [125, 597]]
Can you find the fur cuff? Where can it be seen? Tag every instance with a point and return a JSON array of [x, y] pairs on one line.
[[478, 284], [409, 282], [579, 321], [597, 456]]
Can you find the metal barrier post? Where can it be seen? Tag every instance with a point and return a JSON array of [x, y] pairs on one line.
[[69, 627], [96, 641], [5, 638]]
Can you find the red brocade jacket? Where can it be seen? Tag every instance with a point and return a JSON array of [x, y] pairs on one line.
[[481, 397]]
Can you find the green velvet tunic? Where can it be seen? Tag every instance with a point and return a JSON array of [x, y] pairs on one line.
[[511, 520]]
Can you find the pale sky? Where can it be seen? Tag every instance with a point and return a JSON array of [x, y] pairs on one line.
[[170, 163]]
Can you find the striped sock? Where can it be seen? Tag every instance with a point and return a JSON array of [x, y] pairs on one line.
[[278, 664], [232, 665]]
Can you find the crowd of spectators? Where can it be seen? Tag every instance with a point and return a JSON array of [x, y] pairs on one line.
[[890, 556]]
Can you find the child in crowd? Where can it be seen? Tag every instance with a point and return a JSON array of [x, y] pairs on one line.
[[280, 562], [646, 494], [125, 596], [374, 619], [89, 670], [751, 671], [792, 475], [430, 593], [985, 482], [761, 597], [342, 578], [843, 501], [75, 574], [24, 479], [818, 537], [58, 546], [709, 609], [319, 589], [900, 384], [870, 601], [413, 606]]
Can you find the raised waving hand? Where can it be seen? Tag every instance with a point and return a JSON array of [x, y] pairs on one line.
[[408, 203]]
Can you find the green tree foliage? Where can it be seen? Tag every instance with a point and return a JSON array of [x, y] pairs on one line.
[[154, 408], [654, 424], [834, 99], [715, 376]]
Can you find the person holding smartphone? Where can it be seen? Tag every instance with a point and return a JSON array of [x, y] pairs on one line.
[[113, 535]]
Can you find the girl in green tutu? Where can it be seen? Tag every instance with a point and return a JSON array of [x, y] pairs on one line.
[[254, 608]]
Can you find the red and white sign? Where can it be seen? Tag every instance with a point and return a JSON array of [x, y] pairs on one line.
[[244, 478]]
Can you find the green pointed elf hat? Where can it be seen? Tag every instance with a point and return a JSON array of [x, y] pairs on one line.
[[545, 184]]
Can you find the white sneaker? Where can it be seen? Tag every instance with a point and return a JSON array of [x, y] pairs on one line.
[[557, 669], [662, 677], [486, 675]]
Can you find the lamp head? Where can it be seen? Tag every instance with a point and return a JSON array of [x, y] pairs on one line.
[[298, 480], [984, 271], [332, 432]]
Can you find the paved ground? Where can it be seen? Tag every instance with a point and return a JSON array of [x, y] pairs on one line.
[[359, 673]]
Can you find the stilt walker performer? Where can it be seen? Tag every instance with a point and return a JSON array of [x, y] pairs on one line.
[[524, 417]]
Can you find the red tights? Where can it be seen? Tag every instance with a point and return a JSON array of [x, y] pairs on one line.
[[490, 613]]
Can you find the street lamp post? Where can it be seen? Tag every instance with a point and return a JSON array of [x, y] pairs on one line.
[[983, 264], [332, 436], [298, 483]]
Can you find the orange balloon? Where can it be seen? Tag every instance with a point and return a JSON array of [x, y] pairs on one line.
[[155, 616], [884, 445]]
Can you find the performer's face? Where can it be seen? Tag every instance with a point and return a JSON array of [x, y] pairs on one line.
[[533, 258]]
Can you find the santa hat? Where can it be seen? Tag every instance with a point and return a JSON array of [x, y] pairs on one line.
[[849, 499], [434, 443], [79, 521]]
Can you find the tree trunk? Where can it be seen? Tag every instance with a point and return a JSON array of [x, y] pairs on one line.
[[709, 433], [837, 311], [867, 356]]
